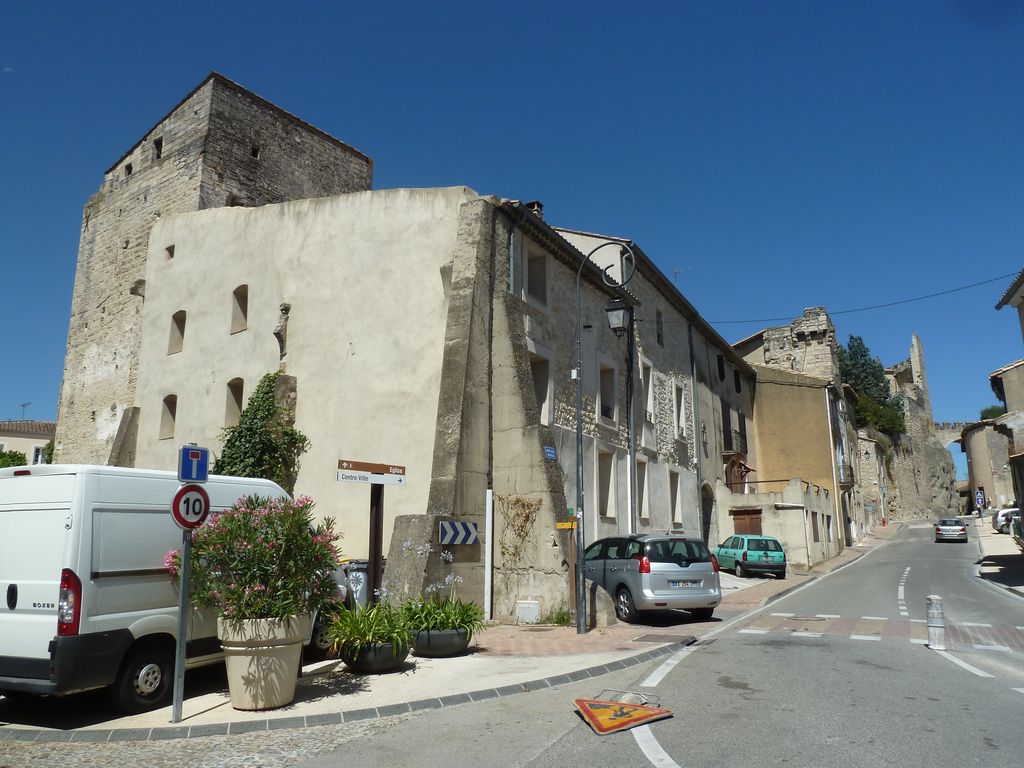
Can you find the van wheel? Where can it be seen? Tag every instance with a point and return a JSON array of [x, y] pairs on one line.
[[624, 607], [740, 573], [145, 679]]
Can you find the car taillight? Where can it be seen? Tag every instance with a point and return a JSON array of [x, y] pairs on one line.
[[645, 564], [714, 563], [744, 556], [69, 604], [963, 529]]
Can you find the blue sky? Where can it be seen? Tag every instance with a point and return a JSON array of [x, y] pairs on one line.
[[769, 156]]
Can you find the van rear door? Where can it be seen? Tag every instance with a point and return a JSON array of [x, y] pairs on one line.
[[35, 541]]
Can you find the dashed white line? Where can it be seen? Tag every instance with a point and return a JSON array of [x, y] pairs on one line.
[[1019, 690], [980, 647], [752, 632], [973, 624], [964, 664], [826, 616], [873, 618], [918, 621], [865, 637], [806, 634], [785, 615]]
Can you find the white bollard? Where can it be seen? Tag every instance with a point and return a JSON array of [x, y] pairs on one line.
[[936, 624]]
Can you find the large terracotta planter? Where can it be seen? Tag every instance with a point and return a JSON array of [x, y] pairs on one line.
[[374, 657], [440, 642], [262, 658]]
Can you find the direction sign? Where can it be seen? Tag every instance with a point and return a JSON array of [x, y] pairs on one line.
[[190, 507], [369, 477], [193, 464], [352, 466], [452, 532]]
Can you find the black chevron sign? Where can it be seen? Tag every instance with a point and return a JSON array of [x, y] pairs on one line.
[[451, 532]]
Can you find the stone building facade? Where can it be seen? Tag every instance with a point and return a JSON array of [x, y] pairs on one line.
[[220, 146]]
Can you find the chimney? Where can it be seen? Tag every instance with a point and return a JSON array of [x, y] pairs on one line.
[[536, 207]]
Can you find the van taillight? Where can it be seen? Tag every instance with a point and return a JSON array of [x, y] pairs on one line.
[[744, 555], [69, 604], [22, 472], [645, 564], [714, 563]]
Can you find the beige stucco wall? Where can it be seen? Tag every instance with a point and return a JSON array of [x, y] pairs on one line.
[[365, 275], [26, 444], [1013, 387], [988, 464]]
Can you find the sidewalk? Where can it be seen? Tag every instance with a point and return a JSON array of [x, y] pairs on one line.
[[506, 660], [1001, 562]]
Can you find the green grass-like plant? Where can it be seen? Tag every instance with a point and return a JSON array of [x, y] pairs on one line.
[[351, 629], [437, 613]]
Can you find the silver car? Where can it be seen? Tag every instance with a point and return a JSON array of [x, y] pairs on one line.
[[645, 572], [951, 529]]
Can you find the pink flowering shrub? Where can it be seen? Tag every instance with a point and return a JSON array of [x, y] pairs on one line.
[[263, 558]]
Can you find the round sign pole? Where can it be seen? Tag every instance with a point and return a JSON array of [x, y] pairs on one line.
[[189, 509], [183, 611]]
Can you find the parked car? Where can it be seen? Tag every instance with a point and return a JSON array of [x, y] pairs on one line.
[[1002, 519], [746, 554], [951, 529], [645, 572]]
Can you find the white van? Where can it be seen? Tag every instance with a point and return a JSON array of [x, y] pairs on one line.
[[85, 598]]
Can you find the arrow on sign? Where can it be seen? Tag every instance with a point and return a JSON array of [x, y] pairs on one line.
[[451, 532]]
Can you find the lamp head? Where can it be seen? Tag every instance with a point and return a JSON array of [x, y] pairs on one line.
[[617, 316]]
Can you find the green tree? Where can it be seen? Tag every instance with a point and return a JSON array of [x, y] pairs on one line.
[[992, 411], [876, 407], [48, 453], [263, 443], [13, 459]]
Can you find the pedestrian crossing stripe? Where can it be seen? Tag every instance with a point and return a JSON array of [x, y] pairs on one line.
[[611, 716]]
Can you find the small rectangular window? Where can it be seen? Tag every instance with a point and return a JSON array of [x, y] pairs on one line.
[[721, 368], [240, 309], [642, 508], [255, 151], [606, 394], [673, 497], [233, 405], [537, 277], [540, 367], [177, 337], [168, 415], [158, 148], [680, 403], [660, 326], [127, 170], [605, 484], [647, 382], [37, 455], [736, 382], [726, 424]]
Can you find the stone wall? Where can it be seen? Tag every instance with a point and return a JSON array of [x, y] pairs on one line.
[[807, 345], [220, 146]]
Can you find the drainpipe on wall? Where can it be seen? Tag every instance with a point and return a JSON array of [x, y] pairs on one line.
[[696, 431], [832, 456]]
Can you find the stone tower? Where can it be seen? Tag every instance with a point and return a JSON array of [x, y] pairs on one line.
[[807, 345], [220, 146]]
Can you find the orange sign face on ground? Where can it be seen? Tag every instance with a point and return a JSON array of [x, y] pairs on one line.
[[610, 716]]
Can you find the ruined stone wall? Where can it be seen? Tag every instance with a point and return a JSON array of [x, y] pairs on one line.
[[202, 154], [807, 345]]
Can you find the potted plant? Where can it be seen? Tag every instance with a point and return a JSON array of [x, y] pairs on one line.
[[441, 626], [369, 639], [264, 567]]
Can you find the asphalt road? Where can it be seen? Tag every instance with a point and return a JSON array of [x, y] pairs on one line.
[[835, 673]]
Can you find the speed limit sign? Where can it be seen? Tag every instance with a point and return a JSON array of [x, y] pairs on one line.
[[190, 507]]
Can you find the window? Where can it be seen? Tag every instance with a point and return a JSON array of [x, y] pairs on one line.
[[726, 425], [673, 497], [642, 507], [177, 337], [158, 148], [127, 170], [814, 527], [736, 381], [169, 252], [233, 405], [721, 368], [37, 455], [647, 382], [255, 151], [606, 393], [540, 367], [741, 424], [680, 403], [659, 324], [240, 309], [605, 483], [168, 416], [537, 276]]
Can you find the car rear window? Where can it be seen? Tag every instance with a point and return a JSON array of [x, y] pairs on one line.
[[950, 522], [764, 545], [674, 550]]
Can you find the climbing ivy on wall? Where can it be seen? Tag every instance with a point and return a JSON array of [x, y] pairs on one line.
[[262, 444]]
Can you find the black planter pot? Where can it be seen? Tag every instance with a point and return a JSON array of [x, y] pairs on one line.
[[440, 642], [373, 658]]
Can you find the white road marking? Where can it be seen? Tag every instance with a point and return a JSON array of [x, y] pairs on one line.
[[904, 613], [782, 614], [979, 647], [972, 624], [826, 615], [964, 664], [918, 621], [916, 641], [752, 632], [899, 593], [874, 618], [1019, 690], [805, 634], [659, 674], [651, 748], [865, 637]]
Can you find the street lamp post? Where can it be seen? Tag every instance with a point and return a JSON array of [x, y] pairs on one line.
[[626, 255], [622, 321]]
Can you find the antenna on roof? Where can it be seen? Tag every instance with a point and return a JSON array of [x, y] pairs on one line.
[[23, 407]]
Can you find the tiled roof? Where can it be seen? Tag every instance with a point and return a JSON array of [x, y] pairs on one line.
[[28, 427], [1014, 287]]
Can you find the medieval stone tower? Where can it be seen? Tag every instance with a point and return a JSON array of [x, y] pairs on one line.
[[220, 146]]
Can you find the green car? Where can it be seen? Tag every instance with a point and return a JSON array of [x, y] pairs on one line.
[[746, 554]]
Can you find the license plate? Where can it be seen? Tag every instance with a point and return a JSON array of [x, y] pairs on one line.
[[684, 583]]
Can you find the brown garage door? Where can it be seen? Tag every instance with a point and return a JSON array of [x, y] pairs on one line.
[[746, 521]]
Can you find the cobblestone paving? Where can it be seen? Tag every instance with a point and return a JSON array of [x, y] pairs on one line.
[[259, 749]]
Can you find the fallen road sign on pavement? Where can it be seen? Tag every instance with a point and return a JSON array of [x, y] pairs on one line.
[[608, 716]]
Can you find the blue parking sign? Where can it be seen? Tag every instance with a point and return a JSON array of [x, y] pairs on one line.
[[979, 499], [193, 464]]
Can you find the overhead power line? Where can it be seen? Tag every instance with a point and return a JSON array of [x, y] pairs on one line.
[[873, 306]]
